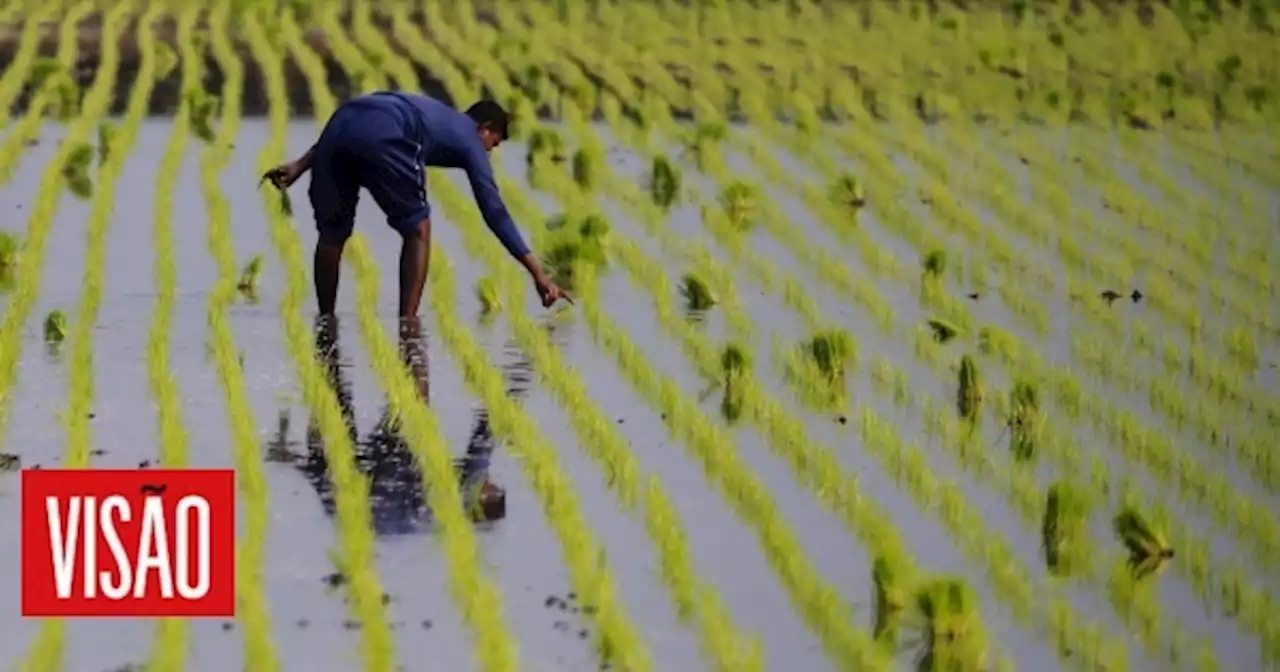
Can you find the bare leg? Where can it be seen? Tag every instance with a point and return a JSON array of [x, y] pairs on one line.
[[327, 263], [415, 257]]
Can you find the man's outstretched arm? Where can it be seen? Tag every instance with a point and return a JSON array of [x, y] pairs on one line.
[[499, 221]]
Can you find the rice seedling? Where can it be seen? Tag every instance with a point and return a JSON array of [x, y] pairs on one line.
[[830, 351], [488, 295], [55, 327], [1148, 551], [970, 393], [1063, 531], [247, 285], [950, 632], [935, 264], [943, 331], [664, 182], [893, 597], [739, 201], [697, 294], [10, 249], [75, 170], [587, 163], [1024, 420], [847, 191]]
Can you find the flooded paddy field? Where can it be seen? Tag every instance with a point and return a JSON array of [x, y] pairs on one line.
[[968, 364]]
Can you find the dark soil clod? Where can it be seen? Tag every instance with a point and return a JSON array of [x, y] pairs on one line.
[[228, 626], [1136, 296], [351, 625], [335, 580], [561, 626], [145, 464], [1109, 295], [426, 624], [302, 622], [10, 462], [974, 296], [583, 634], [550, 601], [842, 419], [572, 596]]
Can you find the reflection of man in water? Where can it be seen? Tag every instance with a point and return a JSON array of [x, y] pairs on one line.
[[383, 456]]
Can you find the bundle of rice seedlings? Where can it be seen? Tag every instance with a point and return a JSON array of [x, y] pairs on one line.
[[951, 634], [943, 331], [847, 191], [892, 596], [1024, 419], [55, 327], [586, 167], [75, 169], [487, 293], [969, 397], [664, 182], [248, 282], [202, 107], [829, 351], [735, 363], [739, 202], [697, 294], [935, 264], [1066, 511], [1147, 547]]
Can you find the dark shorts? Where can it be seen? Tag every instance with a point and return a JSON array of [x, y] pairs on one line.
[[366, 147]]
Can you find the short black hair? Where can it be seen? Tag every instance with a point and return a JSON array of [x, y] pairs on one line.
[[489, 113]]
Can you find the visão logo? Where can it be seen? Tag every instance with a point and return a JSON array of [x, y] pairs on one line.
[[146, 542]]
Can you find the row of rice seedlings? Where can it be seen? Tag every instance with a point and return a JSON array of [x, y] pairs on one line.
[[355, 552], [1033, 504], [47, 649], [20, 71], [720, 639], [695, 600], [252, 611], [478, 598], [627, 250], [15, 145], [170, 648]]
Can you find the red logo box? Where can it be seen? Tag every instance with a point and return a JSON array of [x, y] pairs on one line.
[[128, 542]]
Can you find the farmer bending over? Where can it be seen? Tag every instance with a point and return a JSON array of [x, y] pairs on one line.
[[381, 142]]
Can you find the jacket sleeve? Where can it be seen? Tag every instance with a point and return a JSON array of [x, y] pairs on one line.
[[494, 211]]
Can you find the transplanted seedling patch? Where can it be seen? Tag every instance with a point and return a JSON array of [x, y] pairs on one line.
[[847, 192], [950, 634], [55, 327], [664, 182], [1063, 529], [1148, 549], [740, 200], [1024, 420], [969, 396], [697, 293], [488, 296], [943, 331], [248, 282]]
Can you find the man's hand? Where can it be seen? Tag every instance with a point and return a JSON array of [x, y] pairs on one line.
[[284, 175], [549, 291]]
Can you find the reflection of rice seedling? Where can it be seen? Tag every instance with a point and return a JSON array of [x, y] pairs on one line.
[[487, 293], [892, 596], [739, 202], [1146, 545], [935, 264], [1024, 419], [943, 331], [248, 282], [697, 295], [847, 191], [664, 182], [55, 327], [1063, 531], [76, 170], [969, 396], [950, 637], [830, 350]]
